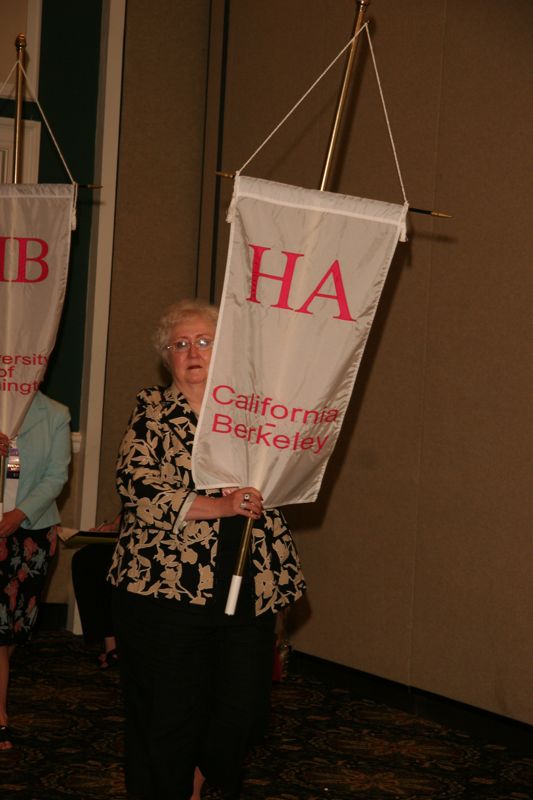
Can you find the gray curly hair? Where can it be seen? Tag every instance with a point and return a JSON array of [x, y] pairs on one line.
[[175, 314]]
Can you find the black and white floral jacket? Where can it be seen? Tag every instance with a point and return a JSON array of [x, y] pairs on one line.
[[158, 553]]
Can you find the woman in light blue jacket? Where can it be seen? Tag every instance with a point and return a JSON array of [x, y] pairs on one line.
[[37, 469]]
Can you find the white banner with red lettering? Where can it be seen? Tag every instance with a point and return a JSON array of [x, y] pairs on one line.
[[35, 228], [304, 275]]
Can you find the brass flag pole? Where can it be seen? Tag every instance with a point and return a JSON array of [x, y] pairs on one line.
[[20, 44], [341, 102], [240, 566]]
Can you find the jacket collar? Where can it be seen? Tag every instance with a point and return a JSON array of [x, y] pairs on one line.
[[35, 413]]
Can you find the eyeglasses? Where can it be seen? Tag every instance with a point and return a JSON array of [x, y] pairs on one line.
[[183, 345]]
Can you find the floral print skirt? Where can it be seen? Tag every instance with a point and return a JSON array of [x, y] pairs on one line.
[[24, 560]]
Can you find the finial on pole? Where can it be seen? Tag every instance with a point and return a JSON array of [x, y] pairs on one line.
[[20, 44]]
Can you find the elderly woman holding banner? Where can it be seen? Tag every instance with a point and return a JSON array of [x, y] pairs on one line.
[[196, 681]]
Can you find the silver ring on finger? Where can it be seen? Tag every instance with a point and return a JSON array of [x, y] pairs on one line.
[[246, 496], [243, 504]]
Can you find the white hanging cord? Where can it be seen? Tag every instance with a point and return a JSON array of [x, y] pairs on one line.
[[302, 98], [13, 68], [75, 185], [30, 87], [386, 115]]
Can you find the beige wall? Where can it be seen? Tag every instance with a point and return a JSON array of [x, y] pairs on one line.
[[158, 201], [13, 14], [418, 551]]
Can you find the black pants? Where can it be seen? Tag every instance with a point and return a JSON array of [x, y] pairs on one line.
[[90, 566], [196, 693]]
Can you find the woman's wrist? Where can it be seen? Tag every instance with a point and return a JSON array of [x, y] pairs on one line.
[[206, 507], [19, 514], [246, 502]]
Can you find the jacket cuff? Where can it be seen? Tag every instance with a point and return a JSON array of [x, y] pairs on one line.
[[180, 522]]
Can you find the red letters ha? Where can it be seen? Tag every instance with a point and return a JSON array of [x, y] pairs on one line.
[[286, 280]]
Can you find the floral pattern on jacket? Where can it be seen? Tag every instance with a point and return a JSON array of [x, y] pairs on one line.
[[157, 556]]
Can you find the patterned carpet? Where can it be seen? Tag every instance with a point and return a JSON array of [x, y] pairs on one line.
[[324, 742]]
